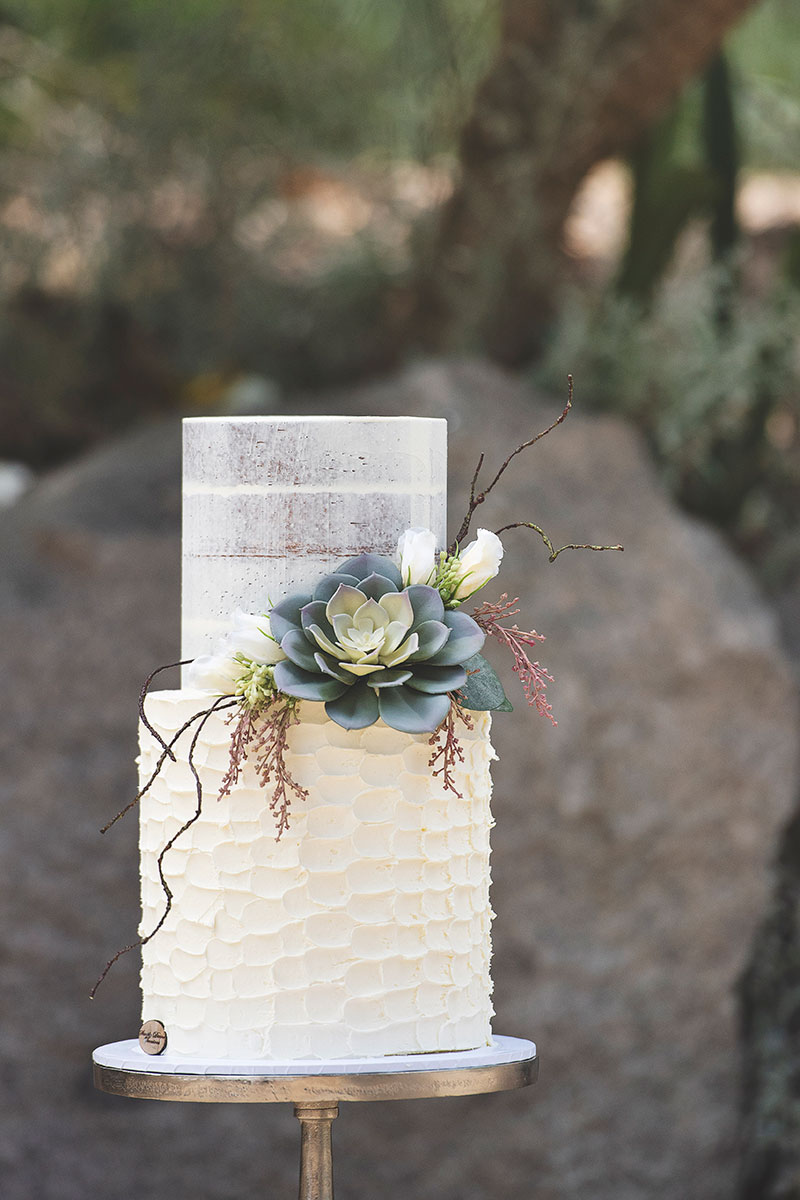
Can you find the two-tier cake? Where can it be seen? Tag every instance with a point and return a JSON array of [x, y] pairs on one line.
[[364, 929]]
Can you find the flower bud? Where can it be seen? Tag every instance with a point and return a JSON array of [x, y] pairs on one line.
[[217, 673], [251, 637], [479, 563], [416, 556]]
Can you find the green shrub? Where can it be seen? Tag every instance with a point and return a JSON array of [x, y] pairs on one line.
[[711, 375]]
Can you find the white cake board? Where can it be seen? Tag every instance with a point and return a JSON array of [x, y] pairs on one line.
[[129, 1056]]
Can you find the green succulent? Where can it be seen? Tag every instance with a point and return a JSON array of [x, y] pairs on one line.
[[370, 648]]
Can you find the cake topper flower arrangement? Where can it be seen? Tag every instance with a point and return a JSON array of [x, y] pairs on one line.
[[378, 638]]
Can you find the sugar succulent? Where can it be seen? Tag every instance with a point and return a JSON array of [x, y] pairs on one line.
[[370, 648]]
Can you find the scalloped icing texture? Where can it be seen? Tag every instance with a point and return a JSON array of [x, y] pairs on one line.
[[364, 931]]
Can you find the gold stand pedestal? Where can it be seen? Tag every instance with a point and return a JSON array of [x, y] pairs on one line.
[[316, 1089]]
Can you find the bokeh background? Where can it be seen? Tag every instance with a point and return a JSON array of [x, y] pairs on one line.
[[438, 207]]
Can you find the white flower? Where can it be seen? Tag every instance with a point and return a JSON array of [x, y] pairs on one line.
[[479, 563], [215, 673], [218, 672], [416, 556], [251, 636]]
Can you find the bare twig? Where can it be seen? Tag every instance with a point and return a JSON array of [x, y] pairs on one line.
[[474, 481], [142, 941], [538, 437], [163, 758], [476, 499], [553, 552], [143, 697]]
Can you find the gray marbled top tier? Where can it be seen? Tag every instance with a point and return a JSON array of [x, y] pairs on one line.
[[272, 503]]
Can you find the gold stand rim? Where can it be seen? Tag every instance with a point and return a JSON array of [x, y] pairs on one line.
[[427, 1083]]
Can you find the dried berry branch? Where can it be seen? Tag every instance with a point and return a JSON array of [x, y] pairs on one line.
[[143, 697], [221, 702], [553, 552], [270, 747], [264, 732], [244, 729], [449, 750], [475, 499], [532, 675]]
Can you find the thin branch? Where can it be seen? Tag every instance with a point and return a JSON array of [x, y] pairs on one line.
[[162, 759], [474, 482], [553, 552], [143, 697], [476, 500], [539, 436], [142, 941]]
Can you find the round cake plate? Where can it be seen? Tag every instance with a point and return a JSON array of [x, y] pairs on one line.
[[123, 1069], [315, 1087]]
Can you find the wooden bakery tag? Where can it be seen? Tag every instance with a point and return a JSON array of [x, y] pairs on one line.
[[153, 1037]]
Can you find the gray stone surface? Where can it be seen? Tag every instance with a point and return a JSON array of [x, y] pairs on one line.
[[631, 849]]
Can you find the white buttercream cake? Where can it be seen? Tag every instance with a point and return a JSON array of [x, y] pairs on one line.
[[364, 930]]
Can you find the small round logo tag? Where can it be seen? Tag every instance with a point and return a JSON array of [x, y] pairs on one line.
[[153, 1037]]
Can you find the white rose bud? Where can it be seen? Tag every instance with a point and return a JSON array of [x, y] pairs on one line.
[[479, 563], [416, 556], [251, 636], [218, 672], [215, 673]]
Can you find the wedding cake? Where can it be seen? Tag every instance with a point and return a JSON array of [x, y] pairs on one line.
[[363, 929]]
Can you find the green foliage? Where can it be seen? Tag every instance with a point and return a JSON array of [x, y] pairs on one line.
[[146, 145], [709, 371], [483, 691], [764, 54], [337, 76], [719, 401]]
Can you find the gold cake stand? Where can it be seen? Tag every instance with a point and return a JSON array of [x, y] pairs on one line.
[[316, 1089]]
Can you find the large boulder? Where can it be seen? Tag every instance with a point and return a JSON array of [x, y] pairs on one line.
[[631, 849]]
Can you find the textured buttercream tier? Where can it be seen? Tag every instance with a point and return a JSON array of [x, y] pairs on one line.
[[364, 931]]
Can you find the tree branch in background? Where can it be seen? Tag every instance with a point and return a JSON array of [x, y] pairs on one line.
[[570, 87]]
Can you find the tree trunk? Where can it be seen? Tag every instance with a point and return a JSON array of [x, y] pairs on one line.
[[574, 82]]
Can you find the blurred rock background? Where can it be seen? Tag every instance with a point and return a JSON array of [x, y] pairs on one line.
[[436, 208]]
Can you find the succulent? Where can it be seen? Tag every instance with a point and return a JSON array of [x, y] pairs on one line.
[[371, 648]]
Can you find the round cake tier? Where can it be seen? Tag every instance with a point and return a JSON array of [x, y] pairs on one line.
[[364, 931], [271, 504]]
